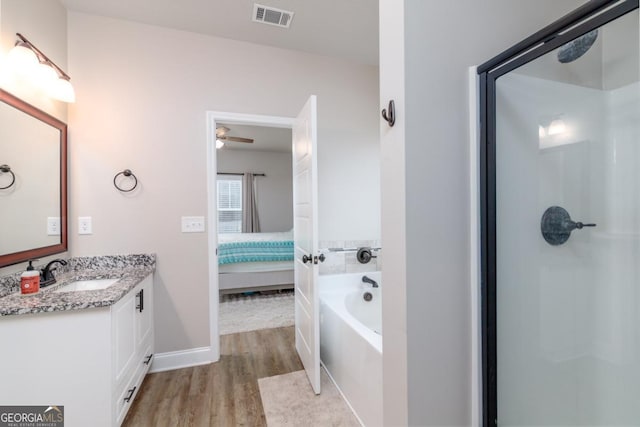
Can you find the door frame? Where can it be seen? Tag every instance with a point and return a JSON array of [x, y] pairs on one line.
[[214, 117], [591, 15]]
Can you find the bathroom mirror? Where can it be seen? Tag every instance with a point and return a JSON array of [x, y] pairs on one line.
[[33, 182]]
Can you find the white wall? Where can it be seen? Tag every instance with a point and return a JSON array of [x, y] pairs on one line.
[[142, 97], [393, 215], [441, 40], [620, 51], [274, 191]]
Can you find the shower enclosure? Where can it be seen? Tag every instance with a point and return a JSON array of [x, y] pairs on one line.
[[560, 223]]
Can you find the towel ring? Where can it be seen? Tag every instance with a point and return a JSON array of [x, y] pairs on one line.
[[127, 173], [7, 169]]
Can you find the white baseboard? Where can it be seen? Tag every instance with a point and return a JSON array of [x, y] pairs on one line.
[[181, 359]]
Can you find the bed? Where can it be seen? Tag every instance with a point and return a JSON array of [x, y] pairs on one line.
[[255, 261]]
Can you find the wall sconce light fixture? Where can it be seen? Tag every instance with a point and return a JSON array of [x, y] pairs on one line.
[[29, 60]]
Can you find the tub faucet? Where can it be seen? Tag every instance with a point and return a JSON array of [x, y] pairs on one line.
[[46, 274], [372, 282]]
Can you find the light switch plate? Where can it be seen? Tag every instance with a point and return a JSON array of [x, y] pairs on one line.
[[193, 224], [84, 225], [53, 226]]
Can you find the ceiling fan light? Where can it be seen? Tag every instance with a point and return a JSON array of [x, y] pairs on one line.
[[221, 131], [219, 144]]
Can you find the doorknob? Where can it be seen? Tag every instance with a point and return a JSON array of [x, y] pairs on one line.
[[307, 258]]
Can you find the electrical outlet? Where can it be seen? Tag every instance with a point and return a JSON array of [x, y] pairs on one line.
[[84, 225], [53, 226], [192, 224]]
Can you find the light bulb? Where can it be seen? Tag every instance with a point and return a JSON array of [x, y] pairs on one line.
[[45, 76], [62, 90], [21, 58], [219, 144]]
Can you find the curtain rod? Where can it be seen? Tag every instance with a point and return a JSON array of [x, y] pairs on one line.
[[239, 173]]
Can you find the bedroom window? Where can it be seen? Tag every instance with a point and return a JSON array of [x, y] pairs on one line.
[[229, 204]]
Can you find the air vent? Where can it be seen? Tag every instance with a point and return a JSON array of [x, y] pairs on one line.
[[272, 16]]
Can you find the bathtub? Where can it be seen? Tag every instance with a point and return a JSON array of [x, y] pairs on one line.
[[351, 341]]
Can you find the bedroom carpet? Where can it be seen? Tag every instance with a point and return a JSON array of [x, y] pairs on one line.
[[288, 400], [243, 313]]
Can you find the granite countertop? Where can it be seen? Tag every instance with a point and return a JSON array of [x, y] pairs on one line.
[[129, 269]]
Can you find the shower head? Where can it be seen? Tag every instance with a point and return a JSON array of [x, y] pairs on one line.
[[573, 50]]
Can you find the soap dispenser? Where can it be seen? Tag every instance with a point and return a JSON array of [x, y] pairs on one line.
[[30, 281]]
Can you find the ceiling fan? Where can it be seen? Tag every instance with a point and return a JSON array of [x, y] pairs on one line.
[[222, 137]]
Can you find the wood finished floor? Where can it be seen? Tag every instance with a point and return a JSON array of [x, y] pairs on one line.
[[219, 394]]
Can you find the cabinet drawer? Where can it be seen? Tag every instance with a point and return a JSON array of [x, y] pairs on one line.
[[127, 393], [124, 399], [146, 355]]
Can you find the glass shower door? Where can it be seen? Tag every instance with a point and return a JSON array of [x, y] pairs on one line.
[[567, 230]]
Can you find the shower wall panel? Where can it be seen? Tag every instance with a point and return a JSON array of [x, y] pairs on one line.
[[568, 312], [547, 291]]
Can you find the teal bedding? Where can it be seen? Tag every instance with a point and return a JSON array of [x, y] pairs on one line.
[[257, 251]]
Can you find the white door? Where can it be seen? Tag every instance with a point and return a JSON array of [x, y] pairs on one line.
[[305, 217]]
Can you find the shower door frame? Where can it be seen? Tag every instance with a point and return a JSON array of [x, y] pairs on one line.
[[591, 15]]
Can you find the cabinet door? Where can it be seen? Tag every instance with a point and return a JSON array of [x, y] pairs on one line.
[[144, 315], [124, 340]]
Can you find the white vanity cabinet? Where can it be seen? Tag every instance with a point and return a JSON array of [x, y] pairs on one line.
[[132, 338], [91, 361]]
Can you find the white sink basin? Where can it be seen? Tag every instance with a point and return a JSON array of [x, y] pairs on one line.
[[86, 285]]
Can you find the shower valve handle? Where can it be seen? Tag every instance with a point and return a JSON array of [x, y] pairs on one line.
[[556, 225], [579, 225]]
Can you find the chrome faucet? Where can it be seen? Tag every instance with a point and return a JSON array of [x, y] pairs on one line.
[[372, 282], [46, 274]]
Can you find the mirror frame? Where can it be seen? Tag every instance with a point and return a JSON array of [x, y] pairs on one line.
[[17, 257]]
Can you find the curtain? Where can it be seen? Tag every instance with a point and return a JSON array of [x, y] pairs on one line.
[[250, 220]]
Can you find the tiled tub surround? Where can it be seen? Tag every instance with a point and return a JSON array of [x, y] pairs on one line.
[[129, 269], [346, 262]]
